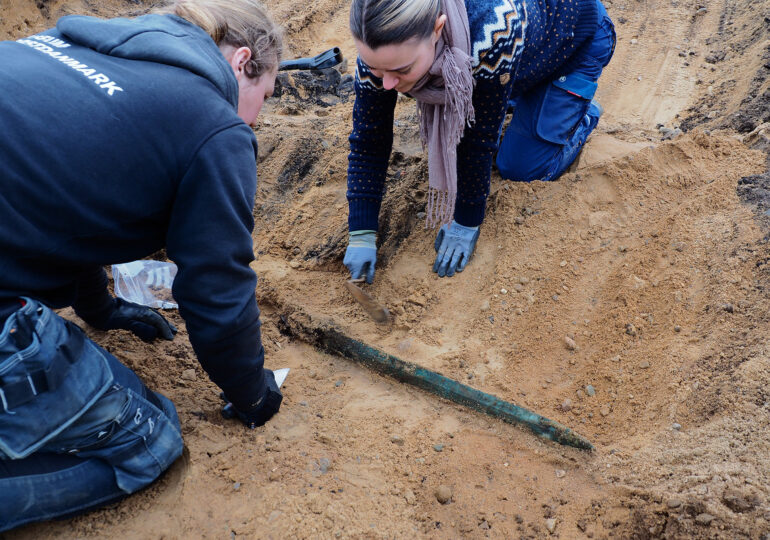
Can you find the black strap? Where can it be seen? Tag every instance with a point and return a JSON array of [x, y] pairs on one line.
[[18, 393]]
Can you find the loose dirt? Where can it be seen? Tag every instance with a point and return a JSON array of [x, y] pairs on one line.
[[627, 300]]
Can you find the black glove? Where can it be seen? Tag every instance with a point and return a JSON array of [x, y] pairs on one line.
[[143, 321], [260, 411]]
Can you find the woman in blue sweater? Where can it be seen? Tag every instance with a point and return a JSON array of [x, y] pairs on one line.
[[465, 63]]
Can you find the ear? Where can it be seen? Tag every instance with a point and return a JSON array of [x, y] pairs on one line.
[[237, 59], [438, 27]]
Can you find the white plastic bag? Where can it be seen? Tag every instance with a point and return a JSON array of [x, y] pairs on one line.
[[145, 282]]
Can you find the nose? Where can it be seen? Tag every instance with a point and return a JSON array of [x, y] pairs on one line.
[[389, 81]]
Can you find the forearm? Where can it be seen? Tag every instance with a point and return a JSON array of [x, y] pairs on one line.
[[371, 141], [477, 149]]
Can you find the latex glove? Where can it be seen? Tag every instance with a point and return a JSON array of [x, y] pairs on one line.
[[454, 246], [260, 411], [143, 321], [361, 254]]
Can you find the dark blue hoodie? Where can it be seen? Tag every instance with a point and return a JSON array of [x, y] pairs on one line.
[[118, 138]]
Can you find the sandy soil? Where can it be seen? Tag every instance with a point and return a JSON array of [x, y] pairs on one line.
[[626, 300]]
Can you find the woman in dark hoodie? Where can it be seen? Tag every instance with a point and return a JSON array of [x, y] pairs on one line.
[[119, 138]]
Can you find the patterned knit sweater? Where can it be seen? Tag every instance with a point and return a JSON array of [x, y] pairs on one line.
[[515, 45]]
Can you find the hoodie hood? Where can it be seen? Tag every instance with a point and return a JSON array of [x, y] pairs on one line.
[[164, 39]]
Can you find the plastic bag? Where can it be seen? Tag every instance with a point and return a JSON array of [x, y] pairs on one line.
[[145, 282]]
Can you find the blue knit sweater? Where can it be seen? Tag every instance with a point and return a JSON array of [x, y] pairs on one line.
[[515, 45]]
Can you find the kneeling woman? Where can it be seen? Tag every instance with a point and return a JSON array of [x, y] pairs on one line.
[[465, 62]]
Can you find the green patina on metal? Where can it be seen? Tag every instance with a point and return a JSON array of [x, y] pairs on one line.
[[338, 343]]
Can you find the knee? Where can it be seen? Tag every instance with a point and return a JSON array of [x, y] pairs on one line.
[[514, 167]]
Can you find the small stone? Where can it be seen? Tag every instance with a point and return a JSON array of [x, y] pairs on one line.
[[397, 439], [644, 365], [704, 519], [566, 405], [518, 287], [410, 497], [631, 330], [523, 280], [421, 215], [570, 343], [237, 486], [338, 384], [518, 220], [560, 473], [634, 41], [590, 390], [438, 447], [189, 375], [323, 465], [676, 426], [303, 403], [503, 291], [605, 410], [673, 503], [563, 264], [729, 308], [550, 524], [294, 264], [485, 305], [443, 494], [677, 328]]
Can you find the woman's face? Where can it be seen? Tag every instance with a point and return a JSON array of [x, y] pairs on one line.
[[401, 65], [252, 92]]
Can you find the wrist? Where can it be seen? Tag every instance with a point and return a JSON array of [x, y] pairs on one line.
[[363, 239]]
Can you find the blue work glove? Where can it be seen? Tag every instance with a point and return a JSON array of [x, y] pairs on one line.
[[261, 410], [454, 244], [361, 254], [143, 321]]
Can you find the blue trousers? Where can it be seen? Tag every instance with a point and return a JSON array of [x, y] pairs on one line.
[[551, 123], [78, 429]]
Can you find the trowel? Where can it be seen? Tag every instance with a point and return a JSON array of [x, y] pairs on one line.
[[376, 311]]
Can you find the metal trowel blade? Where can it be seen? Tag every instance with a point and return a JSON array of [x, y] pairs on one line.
[[376, 311], [280, 375]]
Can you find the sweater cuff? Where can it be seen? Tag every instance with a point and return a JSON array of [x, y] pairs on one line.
[[363, 214], [470, 215]]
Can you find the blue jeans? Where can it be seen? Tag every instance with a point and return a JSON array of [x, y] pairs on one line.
[[78, 429], [551, 123]]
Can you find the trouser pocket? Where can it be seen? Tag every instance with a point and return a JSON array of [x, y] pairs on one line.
[[564, 104], [50, 374]]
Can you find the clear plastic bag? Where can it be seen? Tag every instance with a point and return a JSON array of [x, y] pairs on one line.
[[145, 282]]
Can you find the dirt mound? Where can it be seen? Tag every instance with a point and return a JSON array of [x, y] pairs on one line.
[[628, 300]]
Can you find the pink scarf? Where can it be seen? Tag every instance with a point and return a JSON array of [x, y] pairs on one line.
[[445, 105]]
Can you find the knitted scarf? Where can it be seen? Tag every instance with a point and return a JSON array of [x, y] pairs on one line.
[[444, 105]]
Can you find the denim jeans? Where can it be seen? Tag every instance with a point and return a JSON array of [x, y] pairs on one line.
[[78, 429], [551, 123]]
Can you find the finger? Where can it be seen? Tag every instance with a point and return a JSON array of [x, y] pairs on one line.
[[454, 262], [163, 328], [442, 269], [463, 261], [228, 411], [355, 271], [439, 259], [145, 332], [370, 273], [439, 239]]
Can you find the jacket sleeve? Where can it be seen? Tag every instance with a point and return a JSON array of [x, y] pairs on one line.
[[370, 144], [494, 78], [92, 299], [209, 238]]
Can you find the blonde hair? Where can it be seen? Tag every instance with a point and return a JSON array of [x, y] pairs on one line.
[[239, 23], [388, 22]]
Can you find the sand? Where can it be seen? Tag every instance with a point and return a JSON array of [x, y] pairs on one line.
[[626, 300]]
